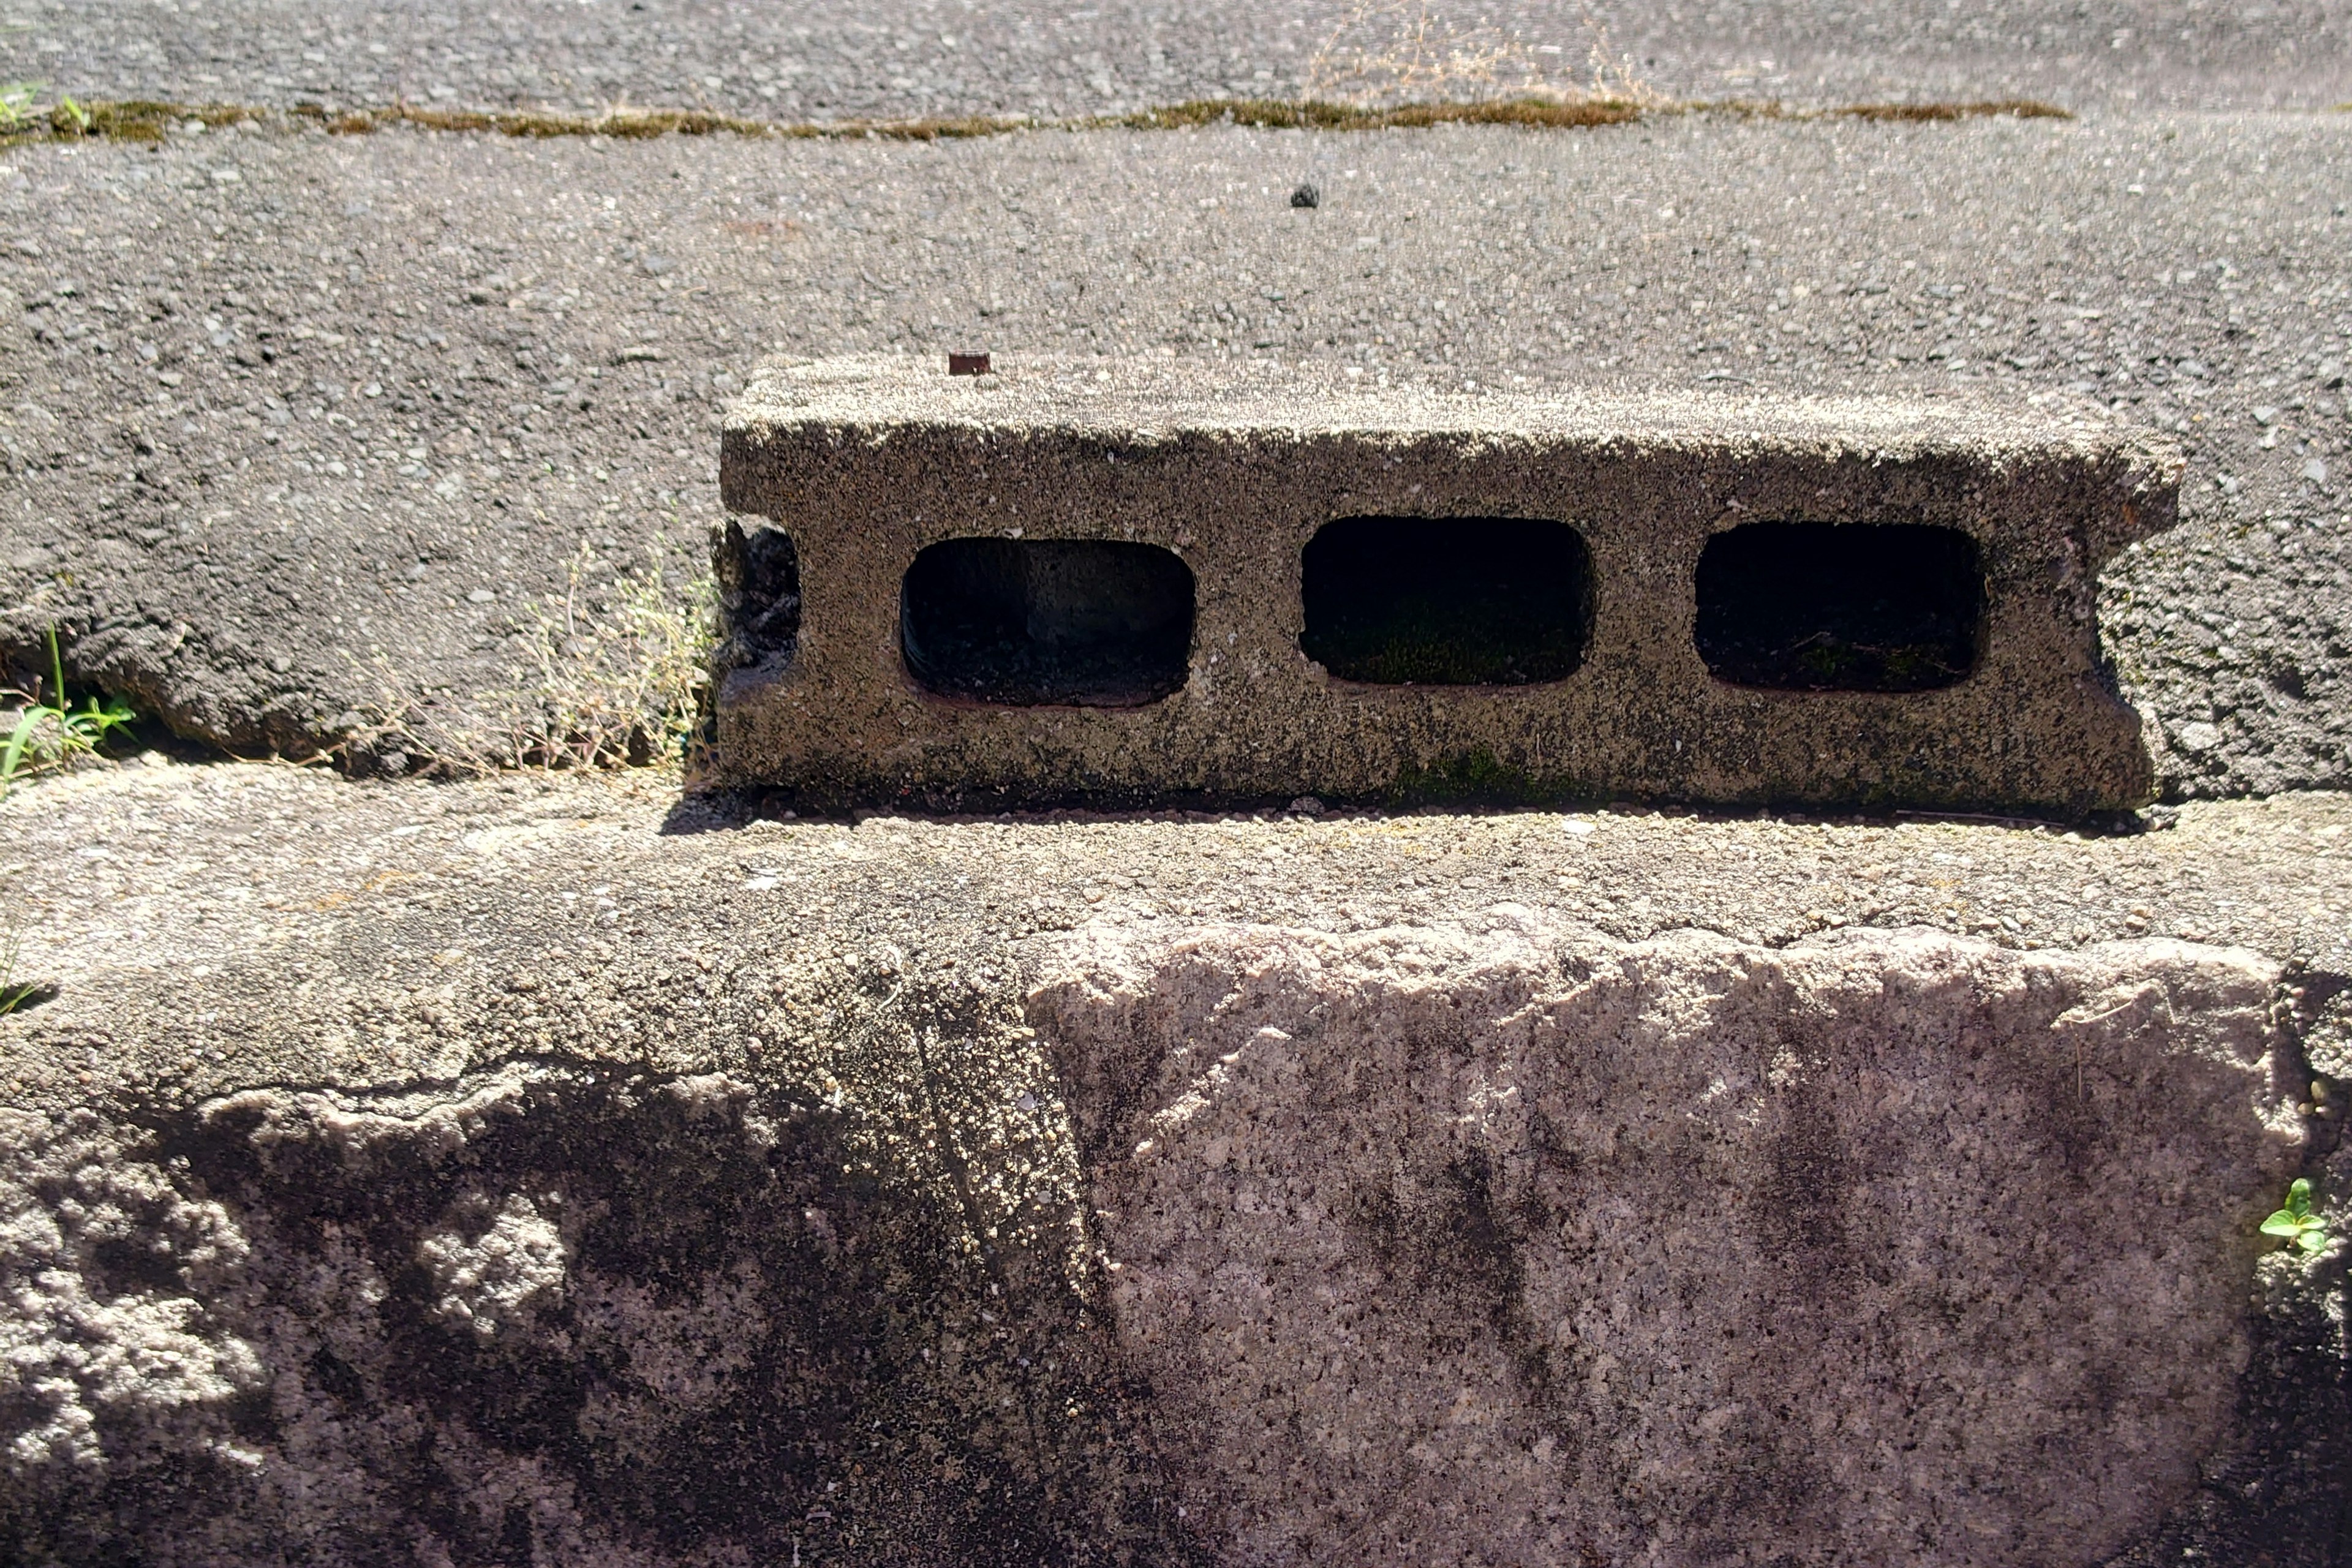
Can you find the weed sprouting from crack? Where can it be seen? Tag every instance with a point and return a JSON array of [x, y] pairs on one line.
[[16, 105], [2294, 1222], [607, 674], [24, 118], [44, 730]]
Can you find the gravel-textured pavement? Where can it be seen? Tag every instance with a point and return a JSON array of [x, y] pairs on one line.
[[180, 911], [290, 410], [921, 56]]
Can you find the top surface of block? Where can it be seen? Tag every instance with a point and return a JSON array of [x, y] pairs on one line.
[[1146, 399]]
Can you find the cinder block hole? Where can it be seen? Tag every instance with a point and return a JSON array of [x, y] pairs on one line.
[[1097, 623], [1446, 601], [759, 590], [1823, 606]]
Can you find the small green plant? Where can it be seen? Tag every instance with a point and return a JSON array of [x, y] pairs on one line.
[[2295, 1222], [70, 117], [52, 733], [16, 105]]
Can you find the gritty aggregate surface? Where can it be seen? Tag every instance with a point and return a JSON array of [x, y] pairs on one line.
[[295, 426], [295, 421], [372, 1122], [930, 57], [220, 926]]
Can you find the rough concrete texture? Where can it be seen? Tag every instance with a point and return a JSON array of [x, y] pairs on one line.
[[864, 463], [287, 412], [1468, 1265], [231, 533], [1448, 1249], [927, 57], [399, 1170], [545, 1314]]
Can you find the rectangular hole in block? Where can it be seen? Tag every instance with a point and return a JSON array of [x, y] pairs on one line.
[[1446, 601], [758, 574], [1820, 606], [1092, 622]]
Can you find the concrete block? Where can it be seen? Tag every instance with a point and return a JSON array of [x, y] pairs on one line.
[[1135, 581]]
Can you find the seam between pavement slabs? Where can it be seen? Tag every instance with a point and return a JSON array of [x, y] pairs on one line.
[[144, 120]]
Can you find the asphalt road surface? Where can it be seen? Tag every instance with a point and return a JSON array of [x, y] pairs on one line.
[[294, 420], [929, 57], [289, 405]]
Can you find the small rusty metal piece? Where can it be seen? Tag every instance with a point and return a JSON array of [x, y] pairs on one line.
[[967, 364]]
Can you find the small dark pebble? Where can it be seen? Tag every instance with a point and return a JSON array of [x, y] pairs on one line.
[[1307, 195]]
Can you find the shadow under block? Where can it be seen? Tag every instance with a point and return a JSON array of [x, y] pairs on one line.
[[1897, 607]]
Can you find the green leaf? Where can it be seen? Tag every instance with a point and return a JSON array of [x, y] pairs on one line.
[[93, 725], [15, 754], [2295, 1222]]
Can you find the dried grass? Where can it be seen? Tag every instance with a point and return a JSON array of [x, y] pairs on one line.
[[1983, 109], [1396, 53], [609, 674], [1313, 114], [151, 120], [640, 124]]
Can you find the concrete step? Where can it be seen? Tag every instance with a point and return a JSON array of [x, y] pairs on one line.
[[497, 1166]]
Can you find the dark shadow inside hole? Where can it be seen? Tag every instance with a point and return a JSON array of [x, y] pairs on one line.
[[1094, 622], [1446, 601], [1821, 607], [758, 577]]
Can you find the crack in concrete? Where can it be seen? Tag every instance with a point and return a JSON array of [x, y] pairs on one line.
[[148, 120]]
